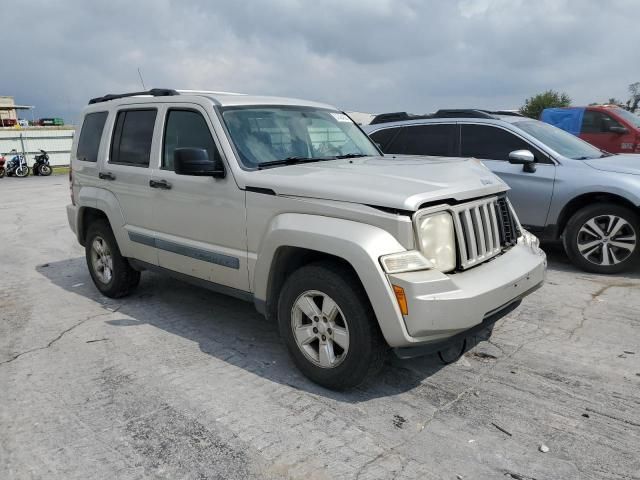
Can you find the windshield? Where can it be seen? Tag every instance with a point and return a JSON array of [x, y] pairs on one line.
[[560, 141], [276, 134], [631, 118]]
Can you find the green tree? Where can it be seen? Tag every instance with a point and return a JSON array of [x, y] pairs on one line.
[[533, 106]]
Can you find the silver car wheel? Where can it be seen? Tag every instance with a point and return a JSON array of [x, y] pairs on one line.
[[606, 240], [320, 329], [101, 260]]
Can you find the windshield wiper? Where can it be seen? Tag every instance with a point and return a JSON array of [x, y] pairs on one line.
[[290, 161], [351, 155]]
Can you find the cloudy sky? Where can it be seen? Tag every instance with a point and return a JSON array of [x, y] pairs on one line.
[[369, 55]]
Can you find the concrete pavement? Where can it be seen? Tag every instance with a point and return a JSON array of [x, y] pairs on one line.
[[178, 382]]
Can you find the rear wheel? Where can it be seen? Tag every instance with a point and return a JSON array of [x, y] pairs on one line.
[[328, 326], [2, 172], [110, 271], [603, 238], [44, 170]]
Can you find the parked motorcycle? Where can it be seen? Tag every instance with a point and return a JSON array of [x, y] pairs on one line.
[[17, 165], [2, 162], [41, 164]]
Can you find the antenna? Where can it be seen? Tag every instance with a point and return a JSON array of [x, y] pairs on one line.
[[141, 80]]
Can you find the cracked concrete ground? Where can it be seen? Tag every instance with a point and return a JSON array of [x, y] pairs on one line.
[[177, 382]]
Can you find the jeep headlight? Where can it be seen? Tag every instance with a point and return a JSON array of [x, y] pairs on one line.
[[437, 240]]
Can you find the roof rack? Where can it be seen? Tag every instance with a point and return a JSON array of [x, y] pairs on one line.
[[462, 112], [154, 92], [395, 117]]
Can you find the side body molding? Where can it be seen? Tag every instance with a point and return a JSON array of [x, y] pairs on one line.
[[359, 244]]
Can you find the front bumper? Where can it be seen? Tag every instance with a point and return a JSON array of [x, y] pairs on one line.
[[442, 306]]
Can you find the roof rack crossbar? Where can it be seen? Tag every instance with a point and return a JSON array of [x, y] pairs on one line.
[[154, 92]]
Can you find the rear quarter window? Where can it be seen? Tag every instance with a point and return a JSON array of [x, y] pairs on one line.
[[90, 135], [384, 137]]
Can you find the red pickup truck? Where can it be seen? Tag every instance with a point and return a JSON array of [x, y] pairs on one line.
[[607, 127]]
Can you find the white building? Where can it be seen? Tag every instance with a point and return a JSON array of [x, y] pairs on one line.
[[56, 141]]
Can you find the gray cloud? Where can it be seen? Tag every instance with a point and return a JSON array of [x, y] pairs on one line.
[[374, 55]]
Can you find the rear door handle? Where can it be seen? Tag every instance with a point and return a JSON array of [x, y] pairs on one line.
[[160, 184], [106, 176]]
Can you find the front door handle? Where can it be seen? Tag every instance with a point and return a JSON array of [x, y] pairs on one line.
[[160, 184], [106, 176]]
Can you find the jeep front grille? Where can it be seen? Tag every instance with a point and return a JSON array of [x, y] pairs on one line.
[[483, 228]]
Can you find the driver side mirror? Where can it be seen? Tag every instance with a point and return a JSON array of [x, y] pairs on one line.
[[524, 158], [196, 162], [617, 129]]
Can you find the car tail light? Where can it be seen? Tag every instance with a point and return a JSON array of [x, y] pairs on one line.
[[73, 200]]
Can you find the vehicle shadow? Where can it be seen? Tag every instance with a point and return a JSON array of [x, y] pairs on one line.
[[559, 261], [231, 330], [228, 329]]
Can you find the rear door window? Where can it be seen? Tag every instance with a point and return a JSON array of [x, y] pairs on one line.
[[438, 140], [90, 135], [492, 143], [132, 136]]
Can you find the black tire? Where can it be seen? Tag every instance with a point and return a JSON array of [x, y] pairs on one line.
[[366, 347], [44, 170], [2, 172], [595, 262], [24, 174], [453, 352], [124, 279]]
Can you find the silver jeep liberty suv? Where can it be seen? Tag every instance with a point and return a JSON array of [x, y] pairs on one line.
[[288, 204]]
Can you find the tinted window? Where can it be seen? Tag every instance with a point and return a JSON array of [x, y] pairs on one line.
[[90, 136], [492, 143], [597, 122], [425, 140], [132, 137], [384, 137], [186, 129]]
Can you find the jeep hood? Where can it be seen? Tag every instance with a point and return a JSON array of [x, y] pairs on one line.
[[626, 163], [400, 182]]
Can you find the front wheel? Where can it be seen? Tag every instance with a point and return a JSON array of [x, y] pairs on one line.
[[329, 327], [2, 172], [22, 171], [44, 170], [603, 238]]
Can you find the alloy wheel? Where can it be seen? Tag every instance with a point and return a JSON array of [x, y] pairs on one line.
[[101, 260], [320, 329], [606, 240]]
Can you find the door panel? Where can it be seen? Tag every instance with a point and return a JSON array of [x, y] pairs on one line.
[[530, 193], [127, 175], [198, 222]]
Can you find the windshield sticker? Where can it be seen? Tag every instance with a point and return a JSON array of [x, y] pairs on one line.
[[341, 117]]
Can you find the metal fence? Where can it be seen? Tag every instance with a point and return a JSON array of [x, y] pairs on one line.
[[55, 141]]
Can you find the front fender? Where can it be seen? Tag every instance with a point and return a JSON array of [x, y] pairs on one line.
[[359, 244]]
